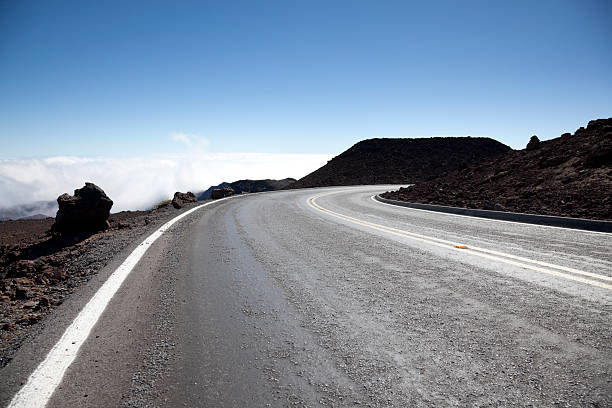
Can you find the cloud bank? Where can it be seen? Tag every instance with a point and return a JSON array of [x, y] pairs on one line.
[[137, 183]]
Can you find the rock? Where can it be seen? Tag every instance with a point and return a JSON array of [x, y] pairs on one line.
[[22, 293], [30, 318], [86, 211], [534, 143], [222, 192], [182, 198], [44, 302], [31, 304]]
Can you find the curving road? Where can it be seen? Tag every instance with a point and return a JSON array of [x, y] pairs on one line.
[[325, 297]]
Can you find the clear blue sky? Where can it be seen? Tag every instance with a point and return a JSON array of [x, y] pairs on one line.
[[94, 78]]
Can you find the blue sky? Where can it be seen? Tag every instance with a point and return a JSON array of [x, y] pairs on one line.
[[119, 78]]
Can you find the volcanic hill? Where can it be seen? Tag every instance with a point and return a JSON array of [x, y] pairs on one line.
[[397, 161], [567, 176]]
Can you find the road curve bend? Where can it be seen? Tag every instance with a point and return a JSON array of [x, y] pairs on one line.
[[325, 297]]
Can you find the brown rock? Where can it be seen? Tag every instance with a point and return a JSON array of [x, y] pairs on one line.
[[86, 211], [221, 192], [31, 304], [22, 293], [182, 198]]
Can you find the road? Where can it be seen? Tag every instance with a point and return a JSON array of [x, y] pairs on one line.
[[325, 297]]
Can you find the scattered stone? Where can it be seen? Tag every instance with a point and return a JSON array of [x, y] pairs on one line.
[[22, 293], [31, 304], [182, 198], [87, 211], [222, 192]]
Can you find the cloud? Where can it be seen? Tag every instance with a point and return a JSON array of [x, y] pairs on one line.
[[182, 138], [138, 182], [190, 140]]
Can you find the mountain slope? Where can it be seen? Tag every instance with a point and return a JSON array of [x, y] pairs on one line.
[[388, 161], [567, 176]]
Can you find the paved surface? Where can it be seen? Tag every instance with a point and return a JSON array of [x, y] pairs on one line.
[[278, 300]]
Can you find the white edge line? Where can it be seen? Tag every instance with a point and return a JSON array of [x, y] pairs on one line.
[[489, 219], [48, 375]]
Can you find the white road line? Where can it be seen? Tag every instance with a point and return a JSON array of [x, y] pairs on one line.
[[519, 258], [479, 219], [481, 252], [48, 375]]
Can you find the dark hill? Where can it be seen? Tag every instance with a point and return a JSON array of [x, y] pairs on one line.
[[249, 186], [567, 176], [396, 161]]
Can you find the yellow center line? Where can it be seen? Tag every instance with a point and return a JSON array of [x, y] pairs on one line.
[[509, 259]]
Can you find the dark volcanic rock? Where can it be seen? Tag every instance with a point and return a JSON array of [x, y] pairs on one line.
[[568, 176], [182, 198], [222, 192], [86, 211], [534, 143], [207, 194], [399, 161]]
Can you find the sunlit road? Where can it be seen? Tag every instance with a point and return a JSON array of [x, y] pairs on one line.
[[325, 297]]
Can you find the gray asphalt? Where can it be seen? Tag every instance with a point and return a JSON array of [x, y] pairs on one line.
[[263, 300]]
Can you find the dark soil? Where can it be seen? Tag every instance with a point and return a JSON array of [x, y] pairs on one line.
[[568, 176], [38, 270], [401, 161]]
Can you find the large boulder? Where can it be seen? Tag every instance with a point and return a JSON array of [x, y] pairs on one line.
[[221, 192], [86, 211], [182, 198]]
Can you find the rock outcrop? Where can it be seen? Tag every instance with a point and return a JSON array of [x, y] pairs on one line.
[[86, 211], [534, 143], [182, 198], [222, 192]]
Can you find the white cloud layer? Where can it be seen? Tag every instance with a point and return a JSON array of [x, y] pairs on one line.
[[138, 182]]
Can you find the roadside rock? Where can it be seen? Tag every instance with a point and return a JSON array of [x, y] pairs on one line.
[[222, 192], [87, 211], [182, 198]]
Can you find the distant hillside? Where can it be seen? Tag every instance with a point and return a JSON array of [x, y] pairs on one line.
[[36, 210], [567, 176], [391, 161], [248, 186]]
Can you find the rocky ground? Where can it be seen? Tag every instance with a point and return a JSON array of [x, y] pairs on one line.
[[567, 176], [401, 161], [38, 270]]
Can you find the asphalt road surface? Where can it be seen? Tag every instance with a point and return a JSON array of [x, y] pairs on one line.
[[324, 297]]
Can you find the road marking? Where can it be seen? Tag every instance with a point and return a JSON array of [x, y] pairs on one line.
[[543, 267], [48, 375], [479, 219]]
